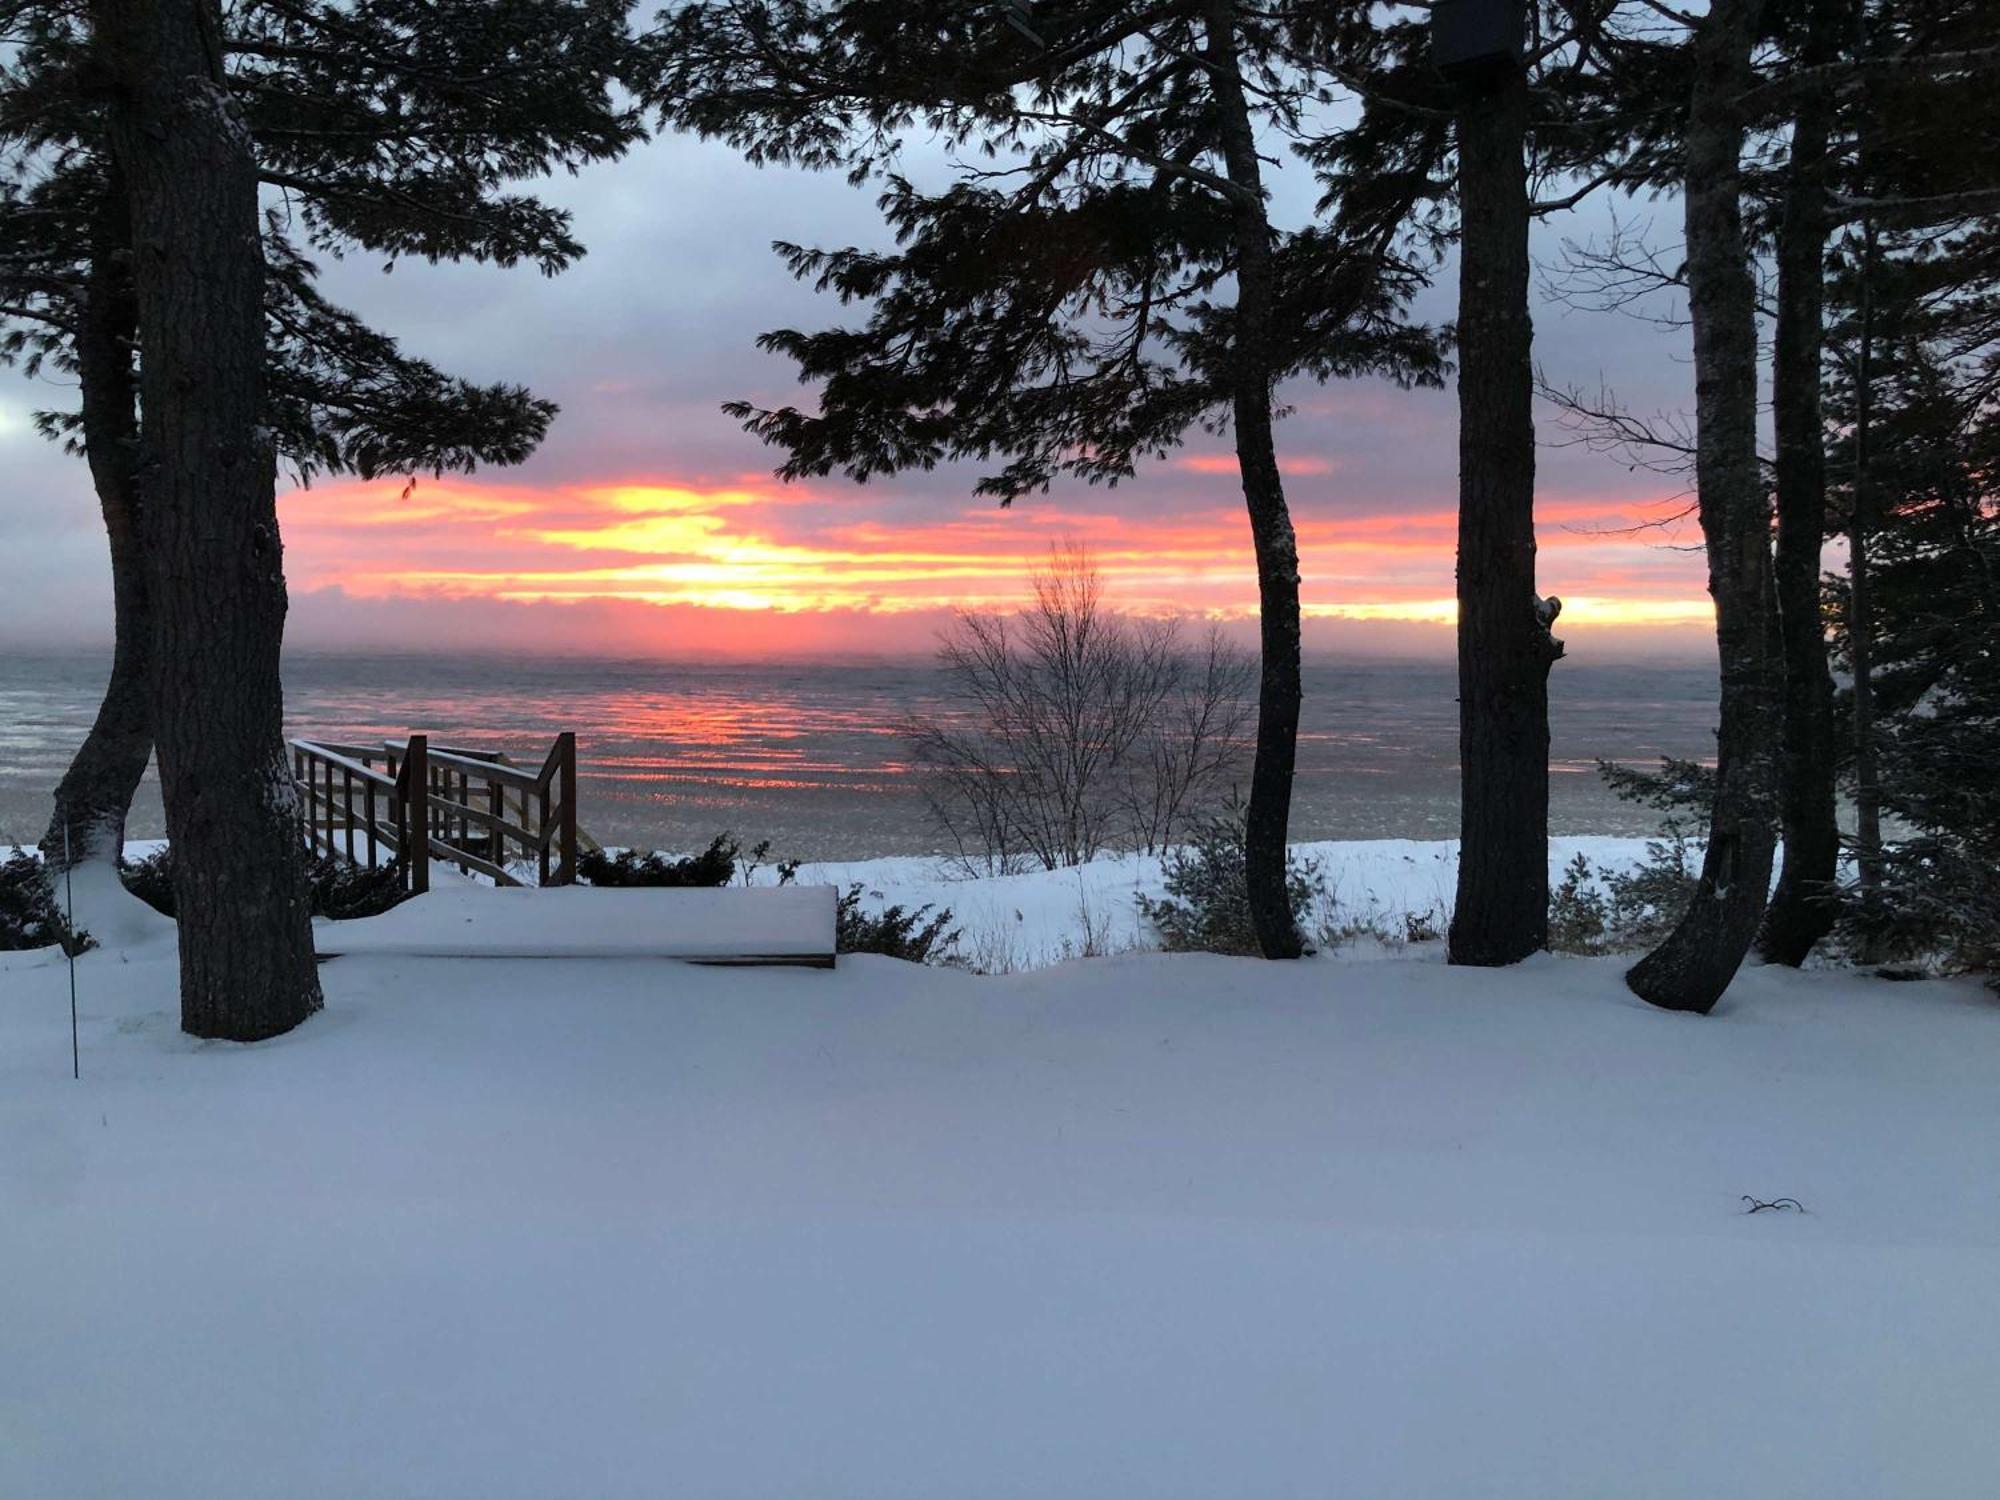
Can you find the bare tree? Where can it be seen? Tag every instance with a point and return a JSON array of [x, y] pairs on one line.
[[1073, 729], [1194, 746]]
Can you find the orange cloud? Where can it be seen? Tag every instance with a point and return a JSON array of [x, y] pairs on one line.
[[751, 549], [1225, 463]]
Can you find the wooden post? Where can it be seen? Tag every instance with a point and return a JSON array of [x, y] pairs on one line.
[[417, 804], [368, 796], [542, 833], [566, 749], [399, 814]]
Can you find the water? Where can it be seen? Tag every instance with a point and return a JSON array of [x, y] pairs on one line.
[[807, 755]]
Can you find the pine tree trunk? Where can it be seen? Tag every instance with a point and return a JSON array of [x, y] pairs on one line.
[[209, 522], [1505, 650], [1694, 965], [1268, 819], [1860, 591], [96, 792], [1803, 909]]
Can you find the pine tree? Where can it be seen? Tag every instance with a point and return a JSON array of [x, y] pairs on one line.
[[206, 477], [1535, 97], [394, 129], [1698, 959], [1916, 400], [1884, 104], [1505, 648], [1802, 908], [1112, 280], [1812, 117], [1934, 627]]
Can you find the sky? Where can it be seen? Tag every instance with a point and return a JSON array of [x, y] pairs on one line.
[[650, 524]]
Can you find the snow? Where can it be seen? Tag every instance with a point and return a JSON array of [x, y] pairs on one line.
[[462, 920], [1141, 1226], [1006, 923], [114, 917], [1030, 920]]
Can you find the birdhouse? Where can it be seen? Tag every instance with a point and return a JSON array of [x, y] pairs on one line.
[[1474, 38]]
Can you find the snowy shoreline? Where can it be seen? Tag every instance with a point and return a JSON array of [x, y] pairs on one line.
[[1029, 920], [1009, 923]]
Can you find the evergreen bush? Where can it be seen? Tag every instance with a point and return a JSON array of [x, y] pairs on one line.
[[1206, 908], [335, 889], [715, 865], [29, 914], [919, 935]]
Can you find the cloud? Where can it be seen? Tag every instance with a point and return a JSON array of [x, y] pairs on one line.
[[328, 618], [748, 566], [1298, 466], [647, 498]]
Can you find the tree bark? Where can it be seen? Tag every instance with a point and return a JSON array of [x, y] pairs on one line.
[[1694, 965], [1505, 648], [1268, 818], [1860, 589], [207, 476], [95, 794], [1803, 909]]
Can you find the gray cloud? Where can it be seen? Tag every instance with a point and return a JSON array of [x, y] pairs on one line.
[[656, 326]]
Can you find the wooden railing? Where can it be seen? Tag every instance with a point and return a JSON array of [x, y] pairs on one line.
[[412, 801]]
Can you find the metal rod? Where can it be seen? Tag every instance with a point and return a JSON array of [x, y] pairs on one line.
[[69, 948]]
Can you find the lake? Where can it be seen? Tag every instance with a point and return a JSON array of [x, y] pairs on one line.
[[807, 754]]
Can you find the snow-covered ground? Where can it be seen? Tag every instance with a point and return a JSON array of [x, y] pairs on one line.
[[1026, 921], [1117, 1228]]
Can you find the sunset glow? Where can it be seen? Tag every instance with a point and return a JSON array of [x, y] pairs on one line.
[[754, 547]]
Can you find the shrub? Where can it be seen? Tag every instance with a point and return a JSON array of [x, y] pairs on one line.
[[1338, 932], [787, 870], [1608, 911], [1647, 900], [1933, 906], [29, 915], [151, 879], [1579, 914], [1605, 911], [334, 889], [1935, 900], [921, 935], [1425, 926], [1206, 908], [715, 865], [342, 891]]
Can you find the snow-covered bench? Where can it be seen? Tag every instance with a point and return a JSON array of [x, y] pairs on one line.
[[727, 925]]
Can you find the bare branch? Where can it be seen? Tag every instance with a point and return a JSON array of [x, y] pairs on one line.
[[1661, 444]]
